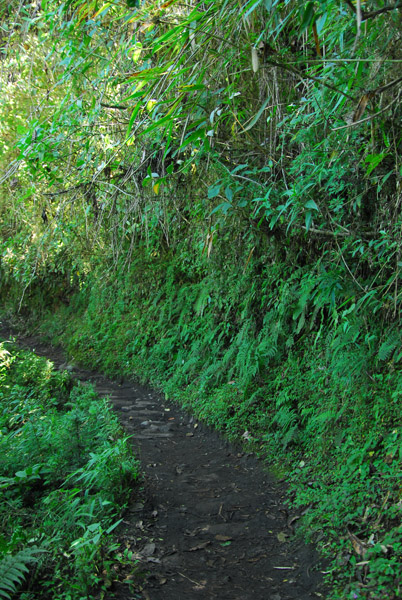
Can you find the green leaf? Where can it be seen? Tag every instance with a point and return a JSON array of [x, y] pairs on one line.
[[309, 216], [223, 207], [310, 204], [321, 22], [250, 7], [21, 474], [157, 124], [135, 112], [308, 15], [229, 193], [374, 160], [256, 116], [193, 86], [110, 529], [214, 190], [193, 137]]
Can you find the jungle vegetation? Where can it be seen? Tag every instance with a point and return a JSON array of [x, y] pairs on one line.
[[66, 476], [207, 196]]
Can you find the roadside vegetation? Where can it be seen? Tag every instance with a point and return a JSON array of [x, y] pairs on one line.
[[66, 475], [207, 196]]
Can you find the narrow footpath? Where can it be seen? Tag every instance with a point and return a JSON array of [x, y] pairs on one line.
[[209, 521]]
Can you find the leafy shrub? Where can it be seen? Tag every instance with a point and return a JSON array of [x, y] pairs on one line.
[[66, 474]]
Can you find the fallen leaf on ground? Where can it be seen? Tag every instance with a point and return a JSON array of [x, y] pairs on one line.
[[148, 549], [199, 547], [359, 546], [282, 537], [200, 586], [223, 538]]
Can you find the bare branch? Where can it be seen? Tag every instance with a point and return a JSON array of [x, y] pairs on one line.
[[367, 118], [381, 11], [374, 13], [387, 86], [72, 188]]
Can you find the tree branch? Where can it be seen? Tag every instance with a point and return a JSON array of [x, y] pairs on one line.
[[374, 13], [367, 118], [387, 86], [74, 187], [340, 234], [380, 11]]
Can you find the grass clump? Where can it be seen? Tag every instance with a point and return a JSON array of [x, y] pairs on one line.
[[66, 475]]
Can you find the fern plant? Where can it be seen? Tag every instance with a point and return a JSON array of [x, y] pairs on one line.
[[391, 342], [14, 568]]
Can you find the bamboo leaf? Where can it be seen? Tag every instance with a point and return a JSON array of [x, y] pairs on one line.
[[256, 116], [251, 6], [308, 15], [309, 216], [131, 122]]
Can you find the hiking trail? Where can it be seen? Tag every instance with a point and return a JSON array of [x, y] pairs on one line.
[[209, 522]]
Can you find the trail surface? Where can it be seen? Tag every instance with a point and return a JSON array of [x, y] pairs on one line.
[[210, 522]]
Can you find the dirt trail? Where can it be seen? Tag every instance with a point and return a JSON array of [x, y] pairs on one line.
[[210, 521]]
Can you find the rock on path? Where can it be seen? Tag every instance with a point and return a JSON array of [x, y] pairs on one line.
[[210, 522]]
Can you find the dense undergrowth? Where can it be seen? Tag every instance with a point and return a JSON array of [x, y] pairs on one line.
[[66, 474]]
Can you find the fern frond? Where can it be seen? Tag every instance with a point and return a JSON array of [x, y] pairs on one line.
[[13, 570], [286, 418], [389, 345], [289, 436], [202, 300]]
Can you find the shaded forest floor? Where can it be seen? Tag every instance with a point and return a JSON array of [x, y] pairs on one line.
[[209, 520]]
